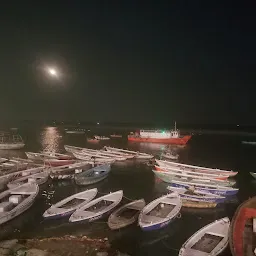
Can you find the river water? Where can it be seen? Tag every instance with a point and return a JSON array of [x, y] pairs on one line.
[[137, 181]]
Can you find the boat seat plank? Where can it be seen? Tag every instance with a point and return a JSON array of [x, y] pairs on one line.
[[151, 219], [207, 243], [254, 225]]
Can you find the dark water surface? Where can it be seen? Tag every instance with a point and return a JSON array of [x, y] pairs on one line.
[[137, 181]]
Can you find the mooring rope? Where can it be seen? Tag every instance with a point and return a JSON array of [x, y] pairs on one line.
[[169, 248], [129, 199], [100, 222], [178, 216], [102, 193]]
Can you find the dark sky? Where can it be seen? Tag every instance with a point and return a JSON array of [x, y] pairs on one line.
[[190, 61]]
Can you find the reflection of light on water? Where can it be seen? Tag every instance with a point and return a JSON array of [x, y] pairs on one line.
[[149, 147], [50, 139]]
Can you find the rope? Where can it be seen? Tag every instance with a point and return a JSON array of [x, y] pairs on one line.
[[103, 193], [100, 222], [129, 199], [170, 248]]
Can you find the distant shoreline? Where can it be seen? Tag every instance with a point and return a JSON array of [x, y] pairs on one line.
[[129, 129]]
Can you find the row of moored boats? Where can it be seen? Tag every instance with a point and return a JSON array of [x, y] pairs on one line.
[[199, 187], [188, 186]]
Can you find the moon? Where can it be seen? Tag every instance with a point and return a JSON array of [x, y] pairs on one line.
[[53, 72]]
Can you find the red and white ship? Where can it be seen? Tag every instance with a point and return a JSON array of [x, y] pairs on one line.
[[160, 136]]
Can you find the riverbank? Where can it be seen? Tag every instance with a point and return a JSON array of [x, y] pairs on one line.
[[58, 246]]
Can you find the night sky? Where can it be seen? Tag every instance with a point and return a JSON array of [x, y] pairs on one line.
[[139, 61]]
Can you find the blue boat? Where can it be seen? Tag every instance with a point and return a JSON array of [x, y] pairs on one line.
[[93, 175], [195, 195], [160, 212], [206, 188]]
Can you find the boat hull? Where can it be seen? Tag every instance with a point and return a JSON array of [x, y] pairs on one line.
[[56, 163], [241, 235], [208, 190], [19, 210], [197, 205], [176, 141], [156, 226], [12, 146], [253, 174], [89, 182], [210, 176], [58, 216]]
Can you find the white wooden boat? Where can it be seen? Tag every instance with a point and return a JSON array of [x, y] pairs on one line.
[[126, 214], [2, 160], [70, 204], [171, 178], [122, 156], [71, 149], [94, 159], [4, 179], [169, 155], [9, 167], [38, 178], [160, 212], [116, 135], [197, 195], [68, 171], [51, 154], [90, 154], [59, 162], [101, 137], [37, 156], [11, 141], [97, 208], [74, 131], [206, 187], [188, 167], [138, 155], [21, 160], [249, 142], [126, 155], [99, 153], [209, 240], [17, 200], [183, 174], [173, 170]]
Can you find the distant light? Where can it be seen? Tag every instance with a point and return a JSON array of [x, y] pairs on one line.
[[98, 123], [52, 72], [237, 125]]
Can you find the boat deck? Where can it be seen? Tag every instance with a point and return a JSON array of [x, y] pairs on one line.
[[72, 203], [207, 243], [127, 213], [99, 206], [161, 210]]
